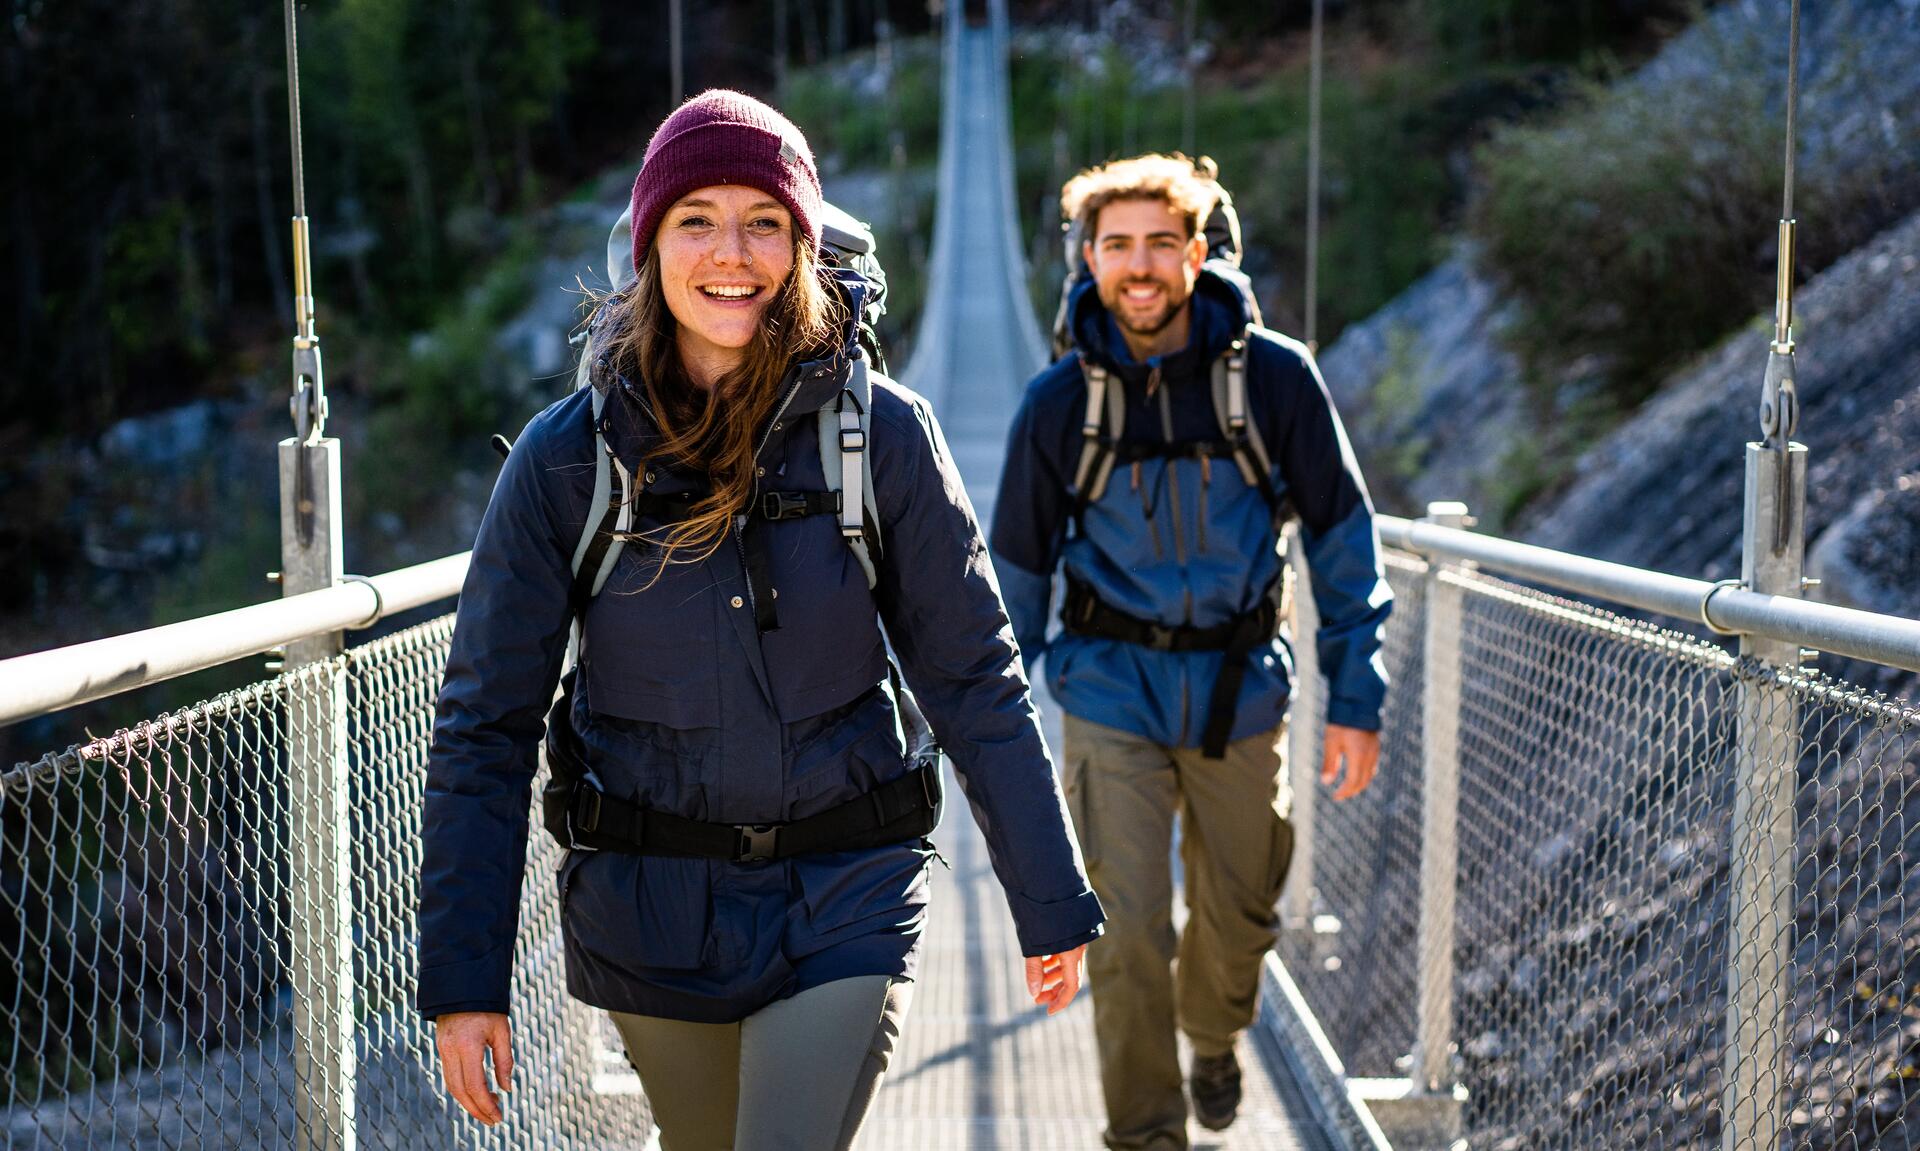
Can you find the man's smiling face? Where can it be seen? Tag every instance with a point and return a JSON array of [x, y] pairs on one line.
[[1144, 262]]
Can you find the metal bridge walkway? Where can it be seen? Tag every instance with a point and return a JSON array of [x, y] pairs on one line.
[[981, 1068]]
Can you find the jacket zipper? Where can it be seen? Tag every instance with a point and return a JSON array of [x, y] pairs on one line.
[[1172, 468], [740, 521]]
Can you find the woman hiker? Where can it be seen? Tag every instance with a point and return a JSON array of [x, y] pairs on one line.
[[747, 879]]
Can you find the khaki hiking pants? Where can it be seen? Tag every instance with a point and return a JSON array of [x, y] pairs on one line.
[[1235, 844]]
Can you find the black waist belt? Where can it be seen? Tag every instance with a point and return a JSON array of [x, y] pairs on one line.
[[1239, 637], [581, 816]]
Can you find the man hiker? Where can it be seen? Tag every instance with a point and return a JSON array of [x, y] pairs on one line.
[[1156, 464]]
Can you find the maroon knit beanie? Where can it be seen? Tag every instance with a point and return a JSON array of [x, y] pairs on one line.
[[724, 137]]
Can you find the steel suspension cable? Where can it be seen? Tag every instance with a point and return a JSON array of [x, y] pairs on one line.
[[309, 401], [1779, 399], [1311, 335]]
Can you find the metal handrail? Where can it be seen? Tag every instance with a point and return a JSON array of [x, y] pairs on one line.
[[48, 681], [1884, 639]]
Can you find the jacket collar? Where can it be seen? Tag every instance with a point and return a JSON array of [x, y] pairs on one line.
[[1222, 310]]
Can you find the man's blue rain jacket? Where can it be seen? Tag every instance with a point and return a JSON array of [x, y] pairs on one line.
[[684, 706], [1187, 542]]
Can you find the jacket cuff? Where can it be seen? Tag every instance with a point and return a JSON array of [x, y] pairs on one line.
[[483, 984], [1354, 714], [487, 1005], [1050, 928]]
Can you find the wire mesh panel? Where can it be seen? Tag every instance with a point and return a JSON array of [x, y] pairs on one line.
[[1596, 760], [1853, 1061], [568, 1086], [1352, 961], [158, 941], [143, 923]]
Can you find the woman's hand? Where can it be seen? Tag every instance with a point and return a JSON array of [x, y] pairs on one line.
[[1053, 980], [464, 1038]]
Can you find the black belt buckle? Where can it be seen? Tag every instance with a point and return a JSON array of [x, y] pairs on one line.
[[782, 505], [583, 815], [1160, 637], [757, 841]]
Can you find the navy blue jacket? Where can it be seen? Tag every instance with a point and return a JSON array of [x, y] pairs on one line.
[[1184, 542], [684, 706]]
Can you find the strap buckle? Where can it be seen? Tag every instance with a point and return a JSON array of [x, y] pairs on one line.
[[583, 814], [783, 505], [757, 841], [853, 440]]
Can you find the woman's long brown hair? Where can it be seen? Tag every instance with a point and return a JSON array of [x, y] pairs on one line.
[[714, 431]]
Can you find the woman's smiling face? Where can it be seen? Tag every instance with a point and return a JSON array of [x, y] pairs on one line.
[[724, 253]]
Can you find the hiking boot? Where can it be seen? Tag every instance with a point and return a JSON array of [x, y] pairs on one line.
[[1216, 1090]]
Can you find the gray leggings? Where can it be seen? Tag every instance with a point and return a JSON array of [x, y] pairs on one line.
[[797, 1075]]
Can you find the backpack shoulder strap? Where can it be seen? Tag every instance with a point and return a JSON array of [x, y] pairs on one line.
[[845, 429], [1100, 429], [604, 535], [1242, 431]]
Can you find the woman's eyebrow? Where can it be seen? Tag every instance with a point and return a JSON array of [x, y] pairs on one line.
[[760, 206]]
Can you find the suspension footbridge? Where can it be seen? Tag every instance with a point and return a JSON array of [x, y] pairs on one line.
[[1624, 881]]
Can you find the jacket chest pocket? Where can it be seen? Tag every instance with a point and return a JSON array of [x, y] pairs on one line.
[[827, 649], [650, 649]]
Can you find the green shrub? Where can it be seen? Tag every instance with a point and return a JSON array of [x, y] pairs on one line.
[[1630, 227]]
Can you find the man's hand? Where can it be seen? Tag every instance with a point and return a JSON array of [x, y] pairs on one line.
[[464, 1038], [1053, 980], [1360, 749]]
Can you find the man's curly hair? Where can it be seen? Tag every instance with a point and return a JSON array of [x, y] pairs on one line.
[[1185, 186]]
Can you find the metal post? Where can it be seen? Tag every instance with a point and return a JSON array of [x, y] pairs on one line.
[[1303, 742], [1440, 809], [319, 922], [1760, 938]]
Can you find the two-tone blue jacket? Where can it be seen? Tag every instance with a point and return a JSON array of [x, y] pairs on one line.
[[1184, 543], [685, 706]]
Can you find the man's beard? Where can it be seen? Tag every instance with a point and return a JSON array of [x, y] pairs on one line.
[[1116, 308]]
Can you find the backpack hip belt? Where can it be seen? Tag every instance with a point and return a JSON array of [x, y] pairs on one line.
[[1239, 637]]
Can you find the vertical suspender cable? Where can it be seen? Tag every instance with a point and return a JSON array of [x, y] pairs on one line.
[[1780, 401], [309, 399], [676, 33], [1311, 335], [1783, 289], [1188, 129]]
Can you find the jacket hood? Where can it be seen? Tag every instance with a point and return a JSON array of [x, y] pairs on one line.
[[1223, 308]]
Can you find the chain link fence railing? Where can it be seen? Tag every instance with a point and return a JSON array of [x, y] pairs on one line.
[[150, 923], [1597, 763], [1366, 874]]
